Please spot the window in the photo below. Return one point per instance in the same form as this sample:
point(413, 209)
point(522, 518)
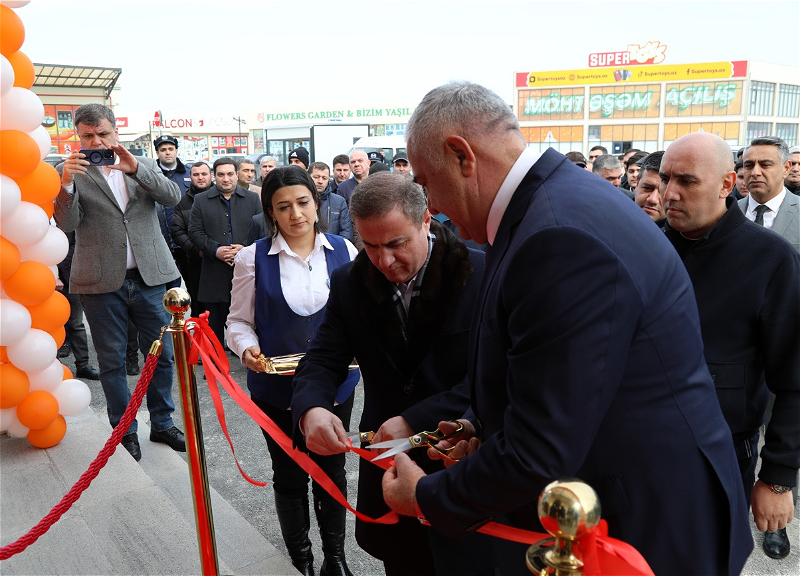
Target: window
point(761, 96)
point(787, 132)
point(758, 130)
point(789, 100)
point(594, 132)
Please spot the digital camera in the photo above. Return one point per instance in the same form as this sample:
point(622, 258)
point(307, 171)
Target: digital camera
point(99, 156)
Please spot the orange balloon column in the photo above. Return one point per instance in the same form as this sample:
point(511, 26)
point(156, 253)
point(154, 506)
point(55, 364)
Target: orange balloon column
point(28, 249)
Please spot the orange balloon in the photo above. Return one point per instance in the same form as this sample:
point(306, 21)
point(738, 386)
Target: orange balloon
point(24, 72)
point(67, 373)
point(51, 314)
point(49, 436)
point(59, 335)
point(14, 385)
point(3, 355)
point(40, 186)
point(12, 31)
point(19, 153)
point(31, 284)
point(37, 410)
point(9, 258)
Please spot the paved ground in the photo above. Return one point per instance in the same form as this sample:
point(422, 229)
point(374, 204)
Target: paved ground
point(257, 504)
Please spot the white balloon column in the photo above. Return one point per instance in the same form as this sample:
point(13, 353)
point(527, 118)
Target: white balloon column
point(36, 390)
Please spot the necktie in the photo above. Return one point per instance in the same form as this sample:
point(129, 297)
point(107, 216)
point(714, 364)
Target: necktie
point(760, 209)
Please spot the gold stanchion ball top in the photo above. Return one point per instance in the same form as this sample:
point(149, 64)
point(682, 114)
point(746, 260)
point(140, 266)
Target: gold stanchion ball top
point(177, 301)
point(569, 509)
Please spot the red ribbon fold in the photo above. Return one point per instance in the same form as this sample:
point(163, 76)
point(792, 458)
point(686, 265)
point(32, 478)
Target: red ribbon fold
point(602, 555)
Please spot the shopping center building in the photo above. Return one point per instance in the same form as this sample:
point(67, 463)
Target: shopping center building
point(632, 99)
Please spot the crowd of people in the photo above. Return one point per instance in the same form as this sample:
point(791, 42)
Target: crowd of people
point(640, 346)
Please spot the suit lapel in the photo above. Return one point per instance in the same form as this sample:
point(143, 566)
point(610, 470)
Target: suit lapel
point(786, 214)
point(94, 173)
point(516, 211)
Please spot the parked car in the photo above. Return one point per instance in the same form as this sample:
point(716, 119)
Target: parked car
point(55, 159)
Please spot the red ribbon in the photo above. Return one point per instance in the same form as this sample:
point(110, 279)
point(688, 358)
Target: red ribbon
point(601, 554)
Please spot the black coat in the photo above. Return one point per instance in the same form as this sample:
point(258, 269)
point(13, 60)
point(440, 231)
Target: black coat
point(208, 229)
point(422, 379)
point(746, 280)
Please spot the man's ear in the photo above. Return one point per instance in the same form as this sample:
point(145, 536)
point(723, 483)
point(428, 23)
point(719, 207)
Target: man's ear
point(460, 150)
point(728, 182)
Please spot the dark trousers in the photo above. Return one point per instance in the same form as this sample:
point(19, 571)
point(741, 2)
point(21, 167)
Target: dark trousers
point(190, 270)
point(217, 316)
point(747, 454)
point(288, 479)
point(76, 331)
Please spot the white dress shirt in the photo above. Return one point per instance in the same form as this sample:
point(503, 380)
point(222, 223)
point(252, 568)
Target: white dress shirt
point(116, 181)
point(305, 283)
point(769, 215)
point(518, 171)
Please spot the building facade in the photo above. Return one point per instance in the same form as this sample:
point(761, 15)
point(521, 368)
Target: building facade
point(621, 103)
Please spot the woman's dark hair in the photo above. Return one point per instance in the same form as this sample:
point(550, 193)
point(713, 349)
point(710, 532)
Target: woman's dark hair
point(281, 178)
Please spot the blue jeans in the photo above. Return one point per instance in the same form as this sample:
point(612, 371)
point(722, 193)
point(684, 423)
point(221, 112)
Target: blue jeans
point(108, 316)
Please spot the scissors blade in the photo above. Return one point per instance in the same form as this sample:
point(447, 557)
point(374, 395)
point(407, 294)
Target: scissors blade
point(390, 444)
point(395, 451)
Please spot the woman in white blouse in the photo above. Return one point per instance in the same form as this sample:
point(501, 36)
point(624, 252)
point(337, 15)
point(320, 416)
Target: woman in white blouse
point(280, 289)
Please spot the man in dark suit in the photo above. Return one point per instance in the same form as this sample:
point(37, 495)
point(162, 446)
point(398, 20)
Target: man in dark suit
point(402, 308)
point(121, 265)
point(218, 227)
point(585, 354)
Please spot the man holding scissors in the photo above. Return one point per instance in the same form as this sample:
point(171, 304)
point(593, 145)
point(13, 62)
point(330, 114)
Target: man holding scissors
point(402, 308)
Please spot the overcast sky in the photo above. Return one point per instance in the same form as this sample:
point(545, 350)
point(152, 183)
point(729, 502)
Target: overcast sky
point(236, 55)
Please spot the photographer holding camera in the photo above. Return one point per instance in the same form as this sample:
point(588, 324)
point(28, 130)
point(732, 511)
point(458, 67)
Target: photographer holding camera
point(121, 262)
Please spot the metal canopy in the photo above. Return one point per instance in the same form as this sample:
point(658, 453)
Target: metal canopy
point(77, 76)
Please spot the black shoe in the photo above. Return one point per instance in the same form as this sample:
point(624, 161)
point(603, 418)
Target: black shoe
point(131, 444)
point(88, 372)
point(132, 366)
point(172, 437)
point(64, 351)
point(776, 544)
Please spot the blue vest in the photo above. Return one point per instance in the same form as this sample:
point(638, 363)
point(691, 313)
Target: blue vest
point(280, 330)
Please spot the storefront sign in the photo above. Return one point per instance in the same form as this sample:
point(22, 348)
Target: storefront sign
point(332, 115)
point(669, 73)
point(603, 104)
point(635, 55)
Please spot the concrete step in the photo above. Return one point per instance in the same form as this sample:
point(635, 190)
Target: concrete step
point(135, 518)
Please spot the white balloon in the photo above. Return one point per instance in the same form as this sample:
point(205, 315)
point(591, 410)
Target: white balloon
point(10, 195)
point(6, 76)
point(42, 138)
point(22, 110)
point(7, 417)
point(14, 3)
point(73, 397)
point(48, 379)
point(54, 270)
point(15, 322)
point(50, 250)
point(16, 429)
point(35, 352)
point(27, 225)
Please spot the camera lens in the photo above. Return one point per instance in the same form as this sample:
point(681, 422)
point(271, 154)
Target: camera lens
point(95, 157)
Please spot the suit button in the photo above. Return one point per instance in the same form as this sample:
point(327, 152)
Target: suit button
point(308, 341)
point(408, 388)
point(125, 221)
point(308, 319)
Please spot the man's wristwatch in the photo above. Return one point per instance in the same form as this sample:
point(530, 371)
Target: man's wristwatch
point(778, 489)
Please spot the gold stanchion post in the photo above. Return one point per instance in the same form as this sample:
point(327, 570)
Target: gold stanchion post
point(176, 302)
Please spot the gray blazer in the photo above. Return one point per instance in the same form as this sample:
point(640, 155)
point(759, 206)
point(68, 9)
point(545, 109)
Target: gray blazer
point(208, 230)
point(787, 220)
point(100, 228)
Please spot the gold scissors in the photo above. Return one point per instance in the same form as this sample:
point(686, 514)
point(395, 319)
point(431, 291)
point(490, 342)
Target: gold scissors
point(429, 439)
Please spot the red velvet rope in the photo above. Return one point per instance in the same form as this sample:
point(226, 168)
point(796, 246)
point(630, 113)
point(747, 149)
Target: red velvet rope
point(602, 554)
point(94, 468)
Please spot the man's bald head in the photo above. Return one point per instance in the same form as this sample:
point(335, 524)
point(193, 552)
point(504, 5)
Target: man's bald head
point(696, 177)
